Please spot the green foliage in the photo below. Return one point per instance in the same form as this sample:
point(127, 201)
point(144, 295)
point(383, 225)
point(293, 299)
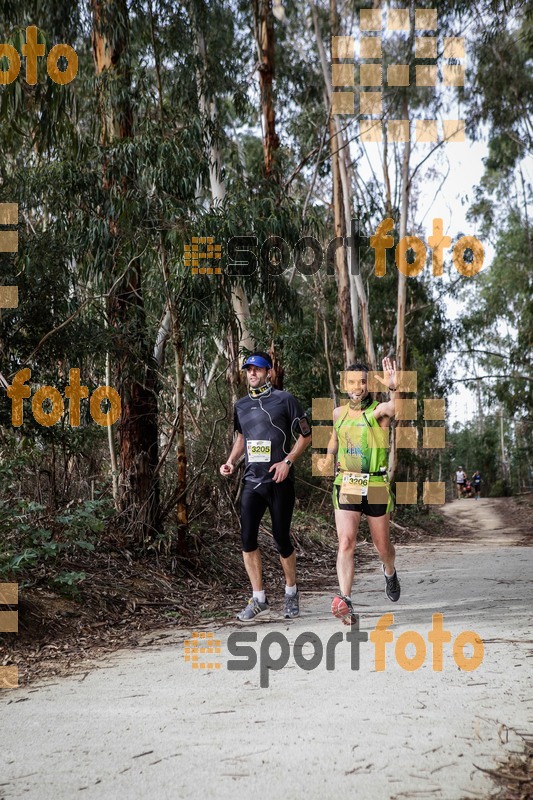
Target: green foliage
point(500, 314)
point(500, 90)
point(36, 543)
point(98, 215)
point(497, 327)
point(68, 583)
point(475, 446)
point(500, 489)
point(37, 539)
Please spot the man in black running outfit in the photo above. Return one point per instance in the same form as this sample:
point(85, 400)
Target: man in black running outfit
point(265, 422)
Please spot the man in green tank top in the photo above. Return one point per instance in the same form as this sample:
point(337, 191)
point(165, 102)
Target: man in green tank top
point(358, 448)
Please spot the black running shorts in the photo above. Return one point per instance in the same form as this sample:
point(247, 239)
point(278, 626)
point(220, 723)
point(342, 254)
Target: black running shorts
point(279, 499)
point(370, 509)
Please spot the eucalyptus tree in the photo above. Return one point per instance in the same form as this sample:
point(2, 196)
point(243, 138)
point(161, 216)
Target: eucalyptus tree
point(497, 323)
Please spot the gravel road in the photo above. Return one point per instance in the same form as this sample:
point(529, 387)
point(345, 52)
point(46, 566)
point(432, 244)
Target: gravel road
point(143, 723)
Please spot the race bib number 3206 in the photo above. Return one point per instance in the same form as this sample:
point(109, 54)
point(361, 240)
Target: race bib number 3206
point(355, 483)
point(258, 450)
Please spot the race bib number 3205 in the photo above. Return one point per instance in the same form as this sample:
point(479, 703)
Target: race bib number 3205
point(258, 450)
point(355, 483)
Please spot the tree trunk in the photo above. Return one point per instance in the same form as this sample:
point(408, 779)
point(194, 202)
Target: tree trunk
point(208, 113)
point(277, 373)
point(505, 465)
point(265, 42)
point(349, 227)
point(134, 371)
point(239, 337)
point(357, 288)
point(341, 213)
point(402, 279)
point(402, 286)
point(182, 509)
point(180, 543)
point(111, 443)
point(321, 312)
point(341, 266)
point(110, 42)
point(350, 287)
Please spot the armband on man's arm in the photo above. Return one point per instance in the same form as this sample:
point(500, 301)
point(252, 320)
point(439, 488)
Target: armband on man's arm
point(304, 427)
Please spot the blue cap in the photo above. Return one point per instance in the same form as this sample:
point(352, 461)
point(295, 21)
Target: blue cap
point(257, 361)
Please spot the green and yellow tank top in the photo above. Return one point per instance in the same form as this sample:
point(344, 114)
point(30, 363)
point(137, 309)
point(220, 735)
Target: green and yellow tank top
point(363, 444)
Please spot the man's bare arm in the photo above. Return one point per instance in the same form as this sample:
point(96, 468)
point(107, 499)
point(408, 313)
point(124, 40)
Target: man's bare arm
point(281, 468)
point(326, 462)
point(236, 452)
point(300, 446)
point(389, 380)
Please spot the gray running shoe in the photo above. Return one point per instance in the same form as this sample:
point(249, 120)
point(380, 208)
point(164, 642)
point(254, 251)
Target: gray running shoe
point(291, 606)
point(253, 610)
point(392, 588)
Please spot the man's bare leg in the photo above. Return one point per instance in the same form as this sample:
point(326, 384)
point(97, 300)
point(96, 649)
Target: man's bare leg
point(379, 530)
point(291, 607)
point(347, 523)
point(258, 605)
point(254, 568)
point(289, 568)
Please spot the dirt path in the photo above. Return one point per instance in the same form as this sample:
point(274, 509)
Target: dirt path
point(484, 519)
point(143, 723)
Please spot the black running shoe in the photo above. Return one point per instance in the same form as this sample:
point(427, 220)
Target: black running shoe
point(392, 588)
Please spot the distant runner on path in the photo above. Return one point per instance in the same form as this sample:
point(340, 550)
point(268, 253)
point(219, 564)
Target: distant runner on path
point(264, 421)
point(476, 483)
point(360, 442)
point(460, 479)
